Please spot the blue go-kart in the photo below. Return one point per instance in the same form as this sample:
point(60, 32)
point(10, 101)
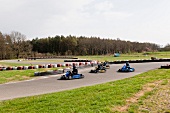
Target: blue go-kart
point(126, 69)
point(69, 76)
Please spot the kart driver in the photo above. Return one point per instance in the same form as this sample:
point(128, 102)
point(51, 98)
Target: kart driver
point(75, 71)
point(99, 66)
point(127, 65)
point(104, 64)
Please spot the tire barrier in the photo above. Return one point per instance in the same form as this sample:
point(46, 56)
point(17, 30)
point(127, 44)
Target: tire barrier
point(139, 61)
point(55, 65)
point(49, 66)
point(30, 67)
point(77, 60)
point(14, 68)
point(58, 65)
point(4, 68)
point(78, 64)
point(19, 68)
point(25, 67)
point(84, 63)
point(40, 66)
point(36, 67)
point(9, 68)
point(63, 65)
point(67, 65)
point(165, 66)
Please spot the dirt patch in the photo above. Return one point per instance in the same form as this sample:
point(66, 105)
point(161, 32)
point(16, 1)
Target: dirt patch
point(147, 88)
point(10, 78)
point(25, 77)
point(3, 65)
point(159, 102)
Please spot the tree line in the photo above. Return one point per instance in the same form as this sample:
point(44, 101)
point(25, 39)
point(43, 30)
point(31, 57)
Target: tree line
point(15, 45)
point(72, 45)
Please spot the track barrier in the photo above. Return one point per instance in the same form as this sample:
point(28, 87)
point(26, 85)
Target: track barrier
point(81, 63)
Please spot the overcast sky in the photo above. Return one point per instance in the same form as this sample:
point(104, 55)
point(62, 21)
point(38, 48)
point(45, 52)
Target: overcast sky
point(133, 20)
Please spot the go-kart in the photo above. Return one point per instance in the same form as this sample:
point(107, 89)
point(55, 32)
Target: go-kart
point(98, 70)
point(126, 69)
point(107, 66)
point(70, 75)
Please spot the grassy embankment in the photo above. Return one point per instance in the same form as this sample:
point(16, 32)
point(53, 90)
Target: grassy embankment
point(148, 93)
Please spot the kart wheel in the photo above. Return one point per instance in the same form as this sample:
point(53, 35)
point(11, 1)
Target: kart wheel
point(69, 77)
point(63, 77)
point(82, 76)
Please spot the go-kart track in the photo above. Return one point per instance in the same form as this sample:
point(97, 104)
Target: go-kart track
point(50, 83)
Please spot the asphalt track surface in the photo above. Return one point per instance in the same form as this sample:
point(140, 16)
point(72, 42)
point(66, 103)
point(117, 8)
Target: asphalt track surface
point(49, 84)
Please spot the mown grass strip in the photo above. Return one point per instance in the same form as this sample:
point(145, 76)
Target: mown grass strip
point(15, 75)
point(6, 64)
point(19, 75)
point(92, 99)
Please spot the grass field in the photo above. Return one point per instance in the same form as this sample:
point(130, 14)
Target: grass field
point(133, 56)
point(6, 64)
point(144, 93)
point(19, 75)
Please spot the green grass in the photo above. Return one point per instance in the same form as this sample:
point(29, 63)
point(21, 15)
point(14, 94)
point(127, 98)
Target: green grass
point(103, 98)
point(133, 56)
point(40, 60)
point(6, 64)
point(29, 62)
point(19, 75)
point(15, 75)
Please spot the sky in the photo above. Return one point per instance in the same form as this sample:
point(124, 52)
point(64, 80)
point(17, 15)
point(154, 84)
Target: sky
point(130, 20)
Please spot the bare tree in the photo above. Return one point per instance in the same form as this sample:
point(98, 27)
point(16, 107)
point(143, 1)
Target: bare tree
point(2, 46)
point(17, 40)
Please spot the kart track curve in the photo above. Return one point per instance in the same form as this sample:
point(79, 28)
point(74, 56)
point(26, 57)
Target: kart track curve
point(50, 83)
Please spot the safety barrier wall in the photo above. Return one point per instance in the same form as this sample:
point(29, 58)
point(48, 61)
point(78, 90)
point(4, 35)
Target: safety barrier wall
point(139, 61)
point(166, 66)
point(79, 63)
